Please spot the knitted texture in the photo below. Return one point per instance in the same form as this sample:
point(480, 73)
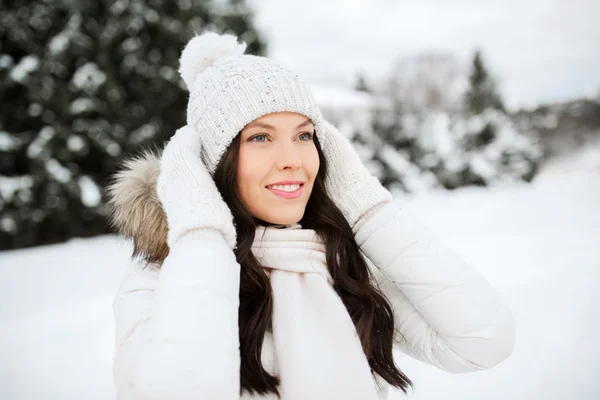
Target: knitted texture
point(348, 182)
point(187, 192)
point(228, 90)
point(319, 352)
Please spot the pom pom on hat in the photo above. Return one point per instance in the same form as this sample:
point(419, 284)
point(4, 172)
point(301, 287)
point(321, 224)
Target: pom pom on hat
point(228, 89)
point(203, 51)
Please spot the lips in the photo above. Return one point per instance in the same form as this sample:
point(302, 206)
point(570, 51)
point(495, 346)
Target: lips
point(286, 194)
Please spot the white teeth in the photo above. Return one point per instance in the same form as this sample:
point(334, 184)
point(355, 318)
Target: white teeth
point(285, 188)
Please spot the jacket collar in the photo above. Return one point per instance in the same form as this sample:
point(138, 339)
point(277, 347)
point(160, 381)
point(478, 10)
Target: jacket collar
point(135, 210)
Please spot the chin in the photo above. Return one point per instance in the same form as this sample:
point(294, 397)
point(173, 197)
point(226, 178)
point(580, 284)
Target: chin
point(288, 219)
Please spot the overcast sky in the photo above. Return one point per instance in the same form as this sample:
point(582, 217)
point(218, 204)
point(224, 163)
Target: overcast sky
point(539, 50)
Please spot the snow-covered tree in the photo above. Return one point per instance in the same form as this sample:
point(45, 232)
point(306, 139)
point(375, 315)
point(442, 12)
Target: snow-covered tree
point(439, 149)
point(485, 149)
point(482, 93)
point(83, 84)
point(427, 139)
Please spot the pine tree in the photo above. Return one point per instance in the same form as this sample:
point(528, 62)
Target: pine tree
point(431, 147)
point(85, 84)
point(482, 92)
point(361, 84)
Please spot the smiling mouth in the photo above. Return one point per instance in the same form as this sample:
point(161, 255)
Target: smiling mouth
point(286, 191)
point(286, 188)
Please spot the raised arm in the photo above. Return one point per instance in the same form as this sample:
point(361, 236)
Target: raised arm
point(446, 313)
point(177, 325)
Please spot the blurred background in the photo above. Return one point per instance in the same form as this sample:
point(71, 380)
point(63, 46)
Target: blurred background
point(482, 117)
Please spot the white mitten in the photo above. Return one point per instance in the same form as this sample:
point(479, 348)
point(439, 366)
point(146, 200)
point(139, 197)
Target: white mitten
point(187, 192)
point(348, 181)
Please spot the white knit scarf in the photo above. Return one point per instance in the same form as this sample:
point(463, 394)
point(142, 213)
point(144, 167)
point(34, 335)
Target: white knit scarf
point(317, 347)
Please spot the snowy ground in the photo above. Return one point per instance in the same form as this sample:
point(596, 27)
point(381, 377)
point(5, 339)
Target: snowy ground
point(538, 244)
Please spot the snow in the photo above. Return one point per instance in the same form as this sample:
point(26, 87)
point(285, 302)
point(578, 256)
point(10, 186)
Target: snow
point(131, 44)
point(587, 158)
point(5, 61)
point(7, 141)
point(8, 224)
point(81, 105)
point(27, 65)
point(89, 76)
point(144, 132)
point(75, 143)
point(37, 146)
point(434, 135)
point(90, 192)
point(58, 43)
point(536, 243)
point(9, 185)
point(34, 110)
point(58, 171)
point(113, 148)
point(414, 179)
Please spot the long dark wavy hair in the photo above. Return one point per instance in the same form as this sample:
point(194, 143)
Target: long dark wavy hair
point(367, 306)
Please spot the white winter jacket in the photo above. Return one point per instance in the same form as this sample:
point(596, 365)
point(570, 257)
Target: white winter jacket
point(175, 340)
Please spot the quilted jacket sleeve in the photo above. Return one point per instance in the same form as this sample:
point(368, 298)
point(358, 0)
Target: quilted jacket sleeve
point(177, 327)
point(446, 314)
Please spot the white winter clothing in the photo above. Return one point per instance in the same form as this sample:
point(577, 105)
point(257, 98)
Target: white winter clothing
point(177, 331)
point(228, 89)
point(318, 350)
point(177, 328)
point(187, 192)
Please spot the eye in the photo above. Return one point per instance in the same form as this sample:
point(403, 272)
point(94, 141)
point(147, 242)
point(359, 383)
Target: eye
point(259, 138)
point(306, 135)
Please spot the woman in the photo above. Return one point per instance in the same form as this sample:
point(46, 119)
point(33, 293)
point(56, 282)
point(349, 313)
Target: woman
point(270, 264)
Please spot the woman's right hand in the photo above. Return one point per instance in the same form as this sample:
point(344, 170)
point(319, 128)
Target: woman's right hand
point(187, 192)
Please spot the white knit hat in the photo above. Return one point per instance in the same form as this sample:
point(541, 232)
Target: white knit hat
point(229, 89)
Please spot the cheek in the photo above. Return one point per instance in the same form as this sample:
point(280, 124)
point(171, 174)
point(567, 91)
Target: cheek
point(311, 163)
point(250, 172)
point(244, 172)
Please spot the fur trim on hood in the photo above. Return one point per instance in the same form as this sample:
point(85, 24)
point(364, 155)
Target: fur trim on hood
point(136, 211)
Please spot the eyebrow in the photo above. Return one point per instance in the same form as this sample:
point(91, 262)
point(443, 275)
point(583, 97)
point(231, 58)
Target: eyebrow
point(257, 124)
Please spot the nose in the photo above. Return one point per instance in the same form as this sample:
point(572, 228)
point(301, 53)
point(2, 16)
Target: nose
point(288, 157)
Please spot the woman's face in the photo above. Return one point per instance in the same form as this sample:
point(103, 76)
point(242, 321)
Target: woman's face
point(277, 166)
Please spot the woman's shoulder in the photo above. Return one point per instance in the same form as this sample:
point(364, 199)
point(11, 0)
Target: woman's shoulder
point(138, 276)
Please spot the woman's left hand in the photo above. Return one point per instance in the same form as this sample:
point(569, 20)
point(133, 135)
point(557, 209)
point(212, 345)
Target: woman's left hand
point(348, 182)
